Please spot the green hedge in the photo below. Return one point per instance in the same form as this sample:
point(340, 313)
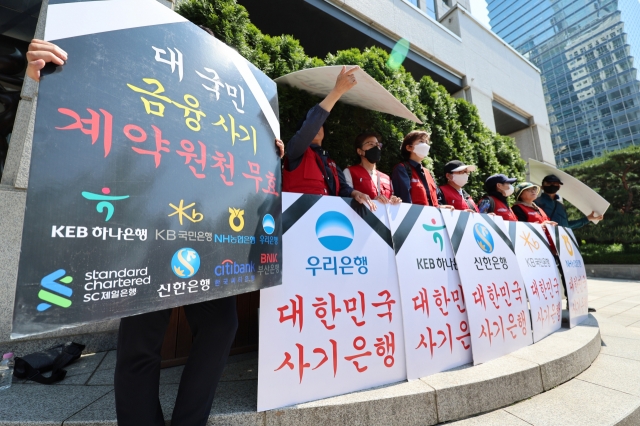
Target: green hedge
point(457, 131)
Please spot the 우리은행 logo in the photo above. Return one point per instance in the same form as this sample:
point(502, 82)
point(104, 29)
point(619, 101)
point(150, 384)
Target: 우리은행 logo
point(334, 231)
point(483, 238)
point(185, 263)
point(104, 199)
point(268, 224)
point(52, 292)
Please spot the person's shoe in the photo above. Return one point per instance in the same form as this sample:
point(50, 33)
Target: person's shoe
point(591, 309)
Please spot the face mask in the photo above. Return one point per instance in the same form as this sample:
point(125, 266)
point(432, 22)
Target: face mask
point(550, 189)
point(373, 154)
point(421, 150)
point(460, 180)
point(509, 191)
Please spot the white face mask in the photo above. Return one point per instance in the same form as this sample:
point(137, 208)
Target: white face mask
point(421, 150)
point(460, 180)
point(508, 191)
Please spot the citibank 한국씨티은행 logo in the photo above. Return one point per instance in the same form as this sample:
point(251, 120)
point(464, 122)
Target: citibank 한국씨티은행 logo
point(483, 238)
point(52, 292)
point(334, 231)
point(185, 263)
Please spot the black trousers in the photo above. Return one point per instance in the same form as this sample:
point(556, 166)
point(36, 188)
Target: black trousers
point(137, 375)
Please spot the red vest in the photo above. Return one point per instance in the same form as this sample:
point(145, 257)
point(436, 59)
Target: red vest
point(455, 199)
point(533, 215)
point(417, 189)
point(501, 209)
point(363, 182)
point(308, 177)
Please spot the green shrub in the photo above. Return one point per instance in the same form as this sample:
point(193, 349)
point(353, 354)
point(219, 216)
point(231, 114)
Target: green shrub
point(456, 128)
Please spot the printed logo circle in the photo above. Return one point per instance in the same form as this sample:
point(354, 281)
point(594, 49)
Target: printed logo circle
point(268, 224)
point(483, 238)
point(334, 231)
point(185, 263)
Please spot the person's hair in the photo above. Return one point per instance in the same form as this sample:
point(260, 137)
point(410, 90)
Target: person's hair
point(410, 139)
point(359, 141)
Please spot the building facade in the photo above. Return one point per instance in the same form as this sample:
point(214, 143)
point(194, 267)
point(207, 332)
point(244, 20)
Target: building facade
point(585, 50)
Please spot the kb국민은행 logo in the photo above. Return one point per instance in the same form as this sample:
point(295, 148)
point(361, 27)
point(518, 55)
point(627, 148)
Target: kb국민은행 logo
point(52, 292)
point(334, 231)
point(185, 263)
point(268, 224)
point(483, 238)
point(236, 214)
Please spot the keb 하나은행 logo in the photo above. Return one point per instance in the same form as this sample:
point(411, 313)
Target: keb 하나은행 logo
point(334, 231)
point(52, 292)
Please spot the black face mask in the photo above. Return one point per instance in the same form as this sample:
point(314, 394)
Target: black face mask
point(551, 189)
point(373, 154)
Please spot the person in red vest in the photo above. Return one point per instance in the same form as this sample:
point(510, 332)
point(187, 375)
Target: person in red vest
point(411, 181)
point(498, 188)
point(308, 169)
point(364, 177)
point(525, 209)
point(457, 174)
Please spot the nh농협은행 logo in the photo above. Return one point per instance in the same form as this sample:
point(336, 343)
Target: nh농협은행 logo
point(334, 231)
point(52, 292)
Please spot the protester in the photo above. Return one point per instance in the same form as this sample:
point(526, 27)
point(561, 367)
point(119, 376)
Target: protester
point(525, 208)
point(137, 374)
point(498, 188)
point(308, 169)
point(552, 205)
point(411, 181)
point(457, 175)
point(365, 177)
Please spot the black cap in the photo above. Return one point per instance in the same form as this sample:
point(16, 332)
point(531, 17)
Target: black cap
point(552, 178)
point(493, 180)
point(458, 166)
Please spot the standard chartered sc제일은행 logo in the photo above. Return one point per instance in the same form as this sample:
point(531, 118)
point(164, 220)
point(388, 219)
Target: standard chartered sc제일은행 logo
point(52, 292)
point(334, 231)
point(185, 263)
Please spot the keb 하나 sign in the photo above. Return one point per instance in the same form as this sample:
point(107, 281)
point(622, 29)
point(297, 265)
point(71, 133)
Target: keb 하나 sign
point(436, 328)
point(494, 291)
point(335, 325)
point(154, 180)
point(541, 277)
point(575, 275)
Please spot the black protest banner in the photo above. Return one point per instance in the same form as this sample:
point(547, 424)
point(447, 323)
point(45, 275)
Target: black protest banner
point(154, 180)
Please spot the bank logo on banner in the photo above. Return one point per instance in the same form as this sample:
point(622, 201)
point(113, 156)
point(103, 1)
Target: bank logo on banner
point(268, 224)
point(185, 263)
point(436, 327)
point(54, 293)
point(575, 274)
point(493, 286)
point(542, 280)
point(334, 231)
point(335, 324)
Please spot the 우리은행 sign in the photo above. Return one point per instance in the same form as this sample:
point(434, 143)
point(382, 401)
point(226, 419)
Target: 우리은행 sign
point(335, 325)
point(154, 181)
point(493, 288)
point(436, 327)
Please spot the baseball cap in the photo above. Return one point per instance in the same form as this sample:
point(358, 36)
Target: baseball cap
point(552, 178)
point(522, 187)
point(458, 166)
point(493, 180)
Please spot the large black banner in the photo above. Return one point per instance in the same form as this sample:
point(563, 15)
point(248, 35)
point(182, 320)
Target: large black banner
point(154, 179)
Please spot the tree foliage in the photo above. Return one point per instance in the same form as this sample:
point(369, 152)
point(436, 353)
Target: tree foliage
point(457, 131)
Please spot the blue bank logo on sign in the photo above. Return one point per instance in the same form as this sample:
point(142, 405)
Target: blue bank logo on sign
point(334, 231)
point(185, 263)
point(54, 293)
point(268, 224)
point(483, 238)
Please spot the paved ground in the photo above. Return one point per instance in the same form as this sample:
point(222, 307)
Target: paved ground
point(607, 392)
